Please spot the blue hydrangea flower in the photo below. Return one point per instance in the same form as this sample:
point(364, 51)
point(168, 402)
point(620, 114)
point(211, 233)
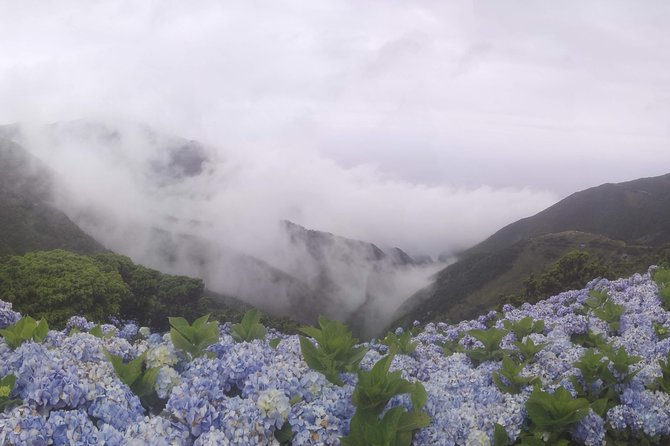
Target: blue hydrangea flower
point(24, 426)
point(71, 427)
point(128, 331)
point(157, 431)
point(7, 315)
point(80, 323)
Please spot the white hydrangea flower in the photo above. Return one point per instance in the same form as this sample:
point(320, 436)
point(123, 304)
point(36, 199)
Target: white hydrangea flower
point(478, 438)
point(275, 405)
point(164, 354)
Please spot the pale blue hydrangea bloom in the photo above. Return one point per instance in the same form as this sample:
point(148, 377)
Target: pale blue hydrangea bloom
point(144, 332)
point(644, 411)
point(166, 379)
point(67, 427)
point(157, 431)
point(23, 426)
point(590, 430)
point(7, 315)
point(128, 331)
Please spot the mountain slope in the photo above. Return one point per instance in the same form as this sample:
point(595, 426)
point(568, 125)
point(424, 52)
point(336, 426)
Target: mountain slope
point(635, 211)
point(163, 217)
point(356, 281)
point(28, 222)
point(623, 227)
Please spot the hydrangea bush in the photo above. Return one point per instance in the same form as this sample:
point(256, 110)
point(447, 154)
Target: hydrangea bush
point(595, 369)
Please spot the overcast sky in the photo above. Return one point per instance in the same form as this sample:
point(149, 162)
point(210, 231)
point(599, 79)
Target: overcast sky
point(465, 111)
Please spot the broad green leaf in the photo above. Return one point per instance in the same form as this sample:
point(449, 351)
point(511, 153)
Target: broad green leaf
point(41, 331)
point(200, 322)
point(144, 386)
point(500, 436)
point(96, 331)
point(600, 406)
point(180, 342)
point(555, 412)
point(285, 434)
point(411, 421)
point(419, 396)
point(179, 323)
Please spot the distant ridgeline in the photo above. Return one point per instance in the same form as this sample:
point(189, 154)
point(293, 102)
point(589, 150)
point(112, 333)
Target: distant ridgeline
point(612, 230)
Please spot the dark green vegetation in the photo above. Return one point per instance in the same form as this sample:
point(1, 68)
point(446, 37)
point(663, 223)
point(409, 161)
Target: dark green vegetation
point(613, 230)
point(58, 284)
point(28, 220)
point(153, 296)
point(55, 285)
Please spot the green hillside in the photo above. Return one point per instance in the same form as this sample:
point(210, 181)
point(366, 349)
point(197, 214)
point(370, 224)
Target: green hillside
point(620, 229)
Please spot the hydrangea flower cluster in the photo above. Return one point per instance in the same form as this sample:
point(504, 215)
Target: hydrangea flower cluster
point(245, 393)
point(7, 315)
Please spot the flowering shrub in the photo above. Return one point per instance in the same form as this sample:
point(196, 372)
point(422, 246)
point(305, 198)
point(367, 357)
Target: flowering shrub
point(584, 377)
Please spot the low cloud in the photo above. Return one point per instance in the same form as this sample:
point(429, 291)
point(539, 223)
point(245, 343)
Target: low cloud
point(240, 196)
point(216, 213)
point(425, 125)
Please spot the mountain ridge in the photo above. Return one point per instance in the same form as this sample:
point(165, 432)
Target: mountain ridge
point(621, 225)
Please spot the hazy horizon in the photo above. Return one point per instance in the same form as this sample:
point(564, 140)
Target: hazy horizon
point(425, 126)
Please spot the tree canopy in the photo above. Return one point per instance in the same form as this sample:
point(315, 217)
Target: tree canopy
point(58, 284)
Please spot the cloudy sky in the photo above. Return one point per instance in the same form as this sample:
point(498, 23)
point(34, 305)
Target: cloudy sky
point(423, 124)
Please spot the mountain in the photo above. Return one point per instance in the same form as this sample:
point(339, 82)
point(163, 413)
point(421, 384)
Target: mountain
point(356, 281)
point(622, 227)
point(153, 197)
point(636, 212)
point(28, 220)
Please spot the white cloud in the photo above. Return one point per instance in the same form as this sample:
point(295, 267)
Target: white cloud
point(424, 124)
